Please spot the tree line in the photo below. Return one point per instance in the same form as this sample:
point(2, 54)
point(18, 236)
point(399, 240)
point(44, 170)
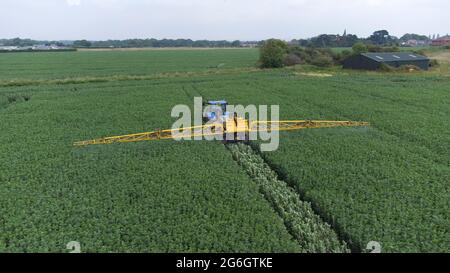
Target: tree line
point(131, 43)
point(380, 37)
point(276, 53)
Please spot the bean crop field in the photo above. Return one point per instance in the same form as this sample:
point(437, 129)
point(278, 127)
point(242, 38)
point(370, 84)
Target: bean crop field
point(323, 190)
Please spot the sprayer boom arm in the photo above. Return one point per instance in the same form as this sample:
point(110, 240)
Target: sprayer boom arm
point(219, 129)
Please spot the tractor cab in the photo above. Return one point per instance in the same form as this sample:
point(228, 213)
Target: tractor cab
point(216, 111)
point(234, 128)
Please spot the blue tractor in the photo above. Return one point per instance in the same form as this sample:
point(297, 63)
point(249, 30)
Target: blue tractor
point(234, 129)
point(217, 111)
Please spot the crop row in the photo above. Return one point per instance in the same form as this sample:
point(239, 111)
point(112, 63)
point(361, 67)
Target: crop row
point(43, 66)
point(311, 233)
point(160, 196)
point(386, 183)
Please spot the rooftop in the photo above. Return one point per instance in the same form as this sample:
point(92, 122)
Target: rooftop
point(443, 38)
point(395, 56)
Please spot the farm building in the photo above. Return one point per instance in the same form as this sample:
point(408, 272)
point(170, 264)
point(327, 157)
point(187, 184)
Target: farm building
point(373, 61)
point(443, 41)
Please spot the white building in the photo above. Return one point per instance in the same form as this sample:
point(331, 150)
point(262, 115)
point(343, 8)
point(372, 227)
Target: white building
point(9, 48)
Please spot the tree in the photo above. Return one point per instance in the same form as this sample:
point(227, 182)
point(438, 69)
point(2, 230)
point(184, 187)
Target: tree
point(359, 48)
point(382, 37)
point(272, 53)
point(236, 43)
point(379, 37)
point(412, 36)
point(82, 43)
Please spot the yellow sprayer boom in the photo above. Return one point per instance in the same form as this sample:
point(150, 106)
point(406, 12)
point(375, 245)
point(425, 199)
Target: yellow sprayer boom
point(231, 126)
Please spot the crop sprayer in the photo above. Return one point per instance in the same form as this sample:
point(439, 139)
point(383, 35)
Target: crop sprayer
point(226, 124)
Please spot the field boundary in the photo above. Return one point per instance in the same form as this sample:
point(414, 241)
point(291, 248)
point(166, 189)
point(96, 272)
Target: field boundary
point(120, 78)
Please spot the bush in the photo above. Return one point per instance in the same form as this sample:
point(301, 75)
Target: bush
point(359, 48)
point(434, 63)
point(298, 55)
point(386, 68)
point(345, 54)
point(299, 52)
point(292, 59)
point(322, 61)
point(272, 53)
point(420, 52)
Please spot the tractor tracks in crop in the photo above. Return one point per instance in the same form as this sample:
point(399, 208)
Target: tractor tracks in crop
point(124, 77)
point(191, 92)
point(309, 230)
point(7, 100)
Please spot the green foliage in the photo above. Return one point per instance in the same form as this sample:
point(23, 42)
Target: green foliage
point(164, 196)
point(82, 43)
point(359, 48)
point(382, 38)
point(386, 183)
point(322, 61)
point(387, 68)
point(272, 53)
point(343, 55)
point(434, 63)
point(327, 40)
point(316, 56)
point(43, 66)
point(412, 36)
point(292, 59)
point(311, 233)
point(422, 52)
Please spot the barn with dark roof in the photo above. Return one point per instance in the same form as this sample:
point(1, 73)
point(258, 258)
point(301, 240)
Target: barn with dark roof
point(373, 61)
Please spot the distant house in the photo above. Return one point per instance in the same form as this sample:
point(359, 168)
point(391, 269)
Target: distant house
point(41, 47)
point(415, 43)
point(9, 48)
point(373, 61)
point(443, 41)
point(249, 44)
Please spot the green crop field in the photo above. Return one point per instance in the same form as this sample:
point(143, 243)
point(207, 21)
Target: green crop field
point(323, 190)
point(107, 63)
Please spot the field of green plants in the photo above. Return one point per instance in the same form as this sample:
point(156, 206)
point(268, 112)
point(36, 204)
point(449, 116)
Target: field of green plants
point(322, 191)
point(57, 65)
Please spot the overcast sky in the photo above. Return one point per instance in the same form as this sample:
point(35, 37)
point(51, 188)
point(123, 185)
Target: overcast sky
point(217, 19)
